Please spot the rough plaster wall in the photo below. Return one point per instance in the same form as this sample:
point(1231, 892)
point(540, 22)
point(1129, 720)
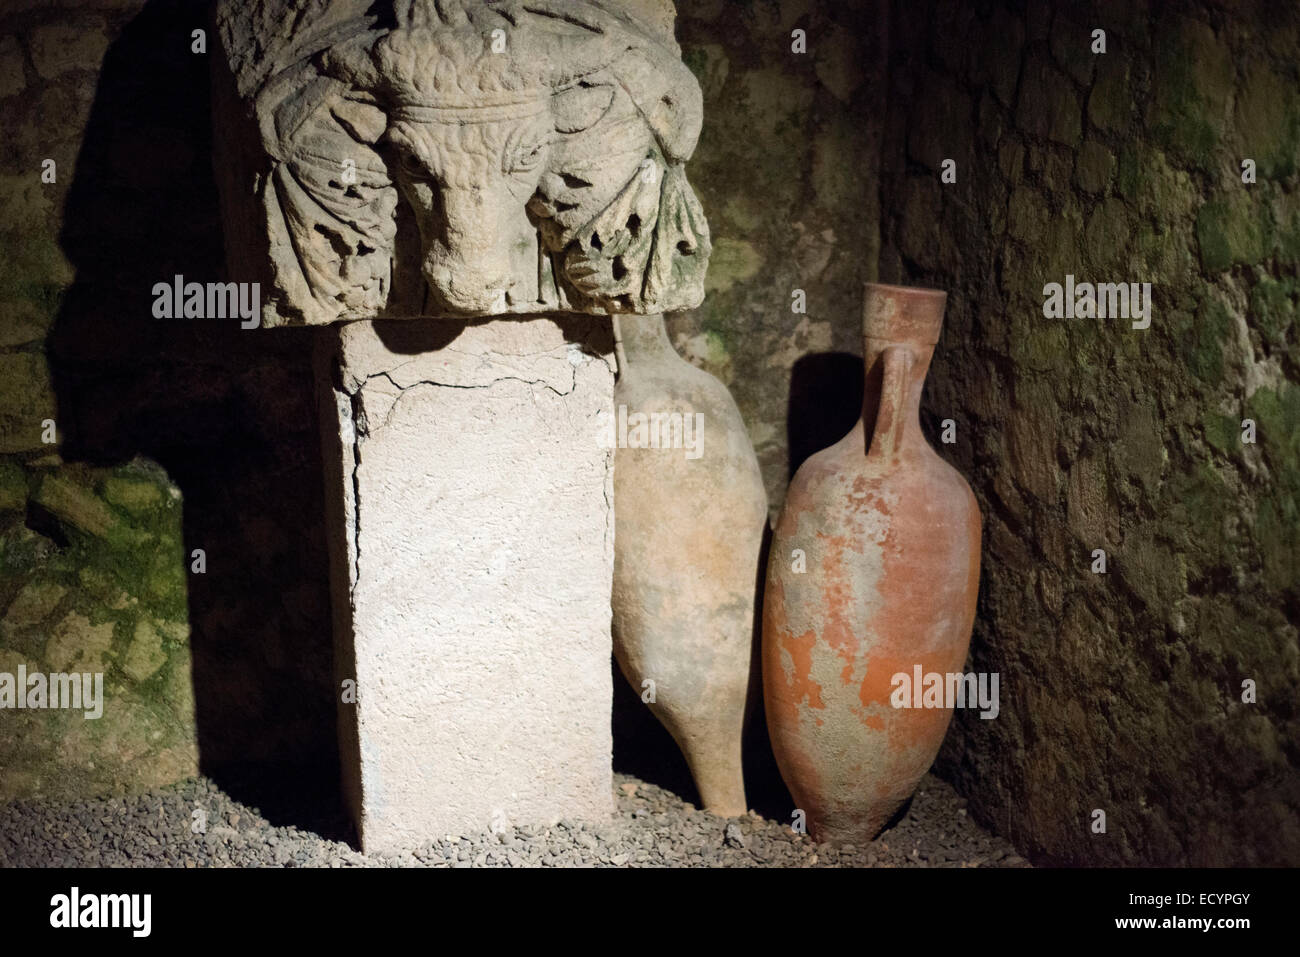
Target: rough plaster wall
point(786, 172)
point(1121, 691)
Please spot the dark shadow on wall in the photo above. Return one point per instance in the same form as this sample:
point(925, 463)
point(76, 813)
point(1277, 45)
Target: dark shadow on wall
point(825, 402)
point(643, 747)
point(229, 413)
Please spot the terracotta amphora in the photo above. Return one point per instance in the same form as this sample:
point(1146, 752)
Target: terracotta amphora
point(689, 521)
point(873, 572)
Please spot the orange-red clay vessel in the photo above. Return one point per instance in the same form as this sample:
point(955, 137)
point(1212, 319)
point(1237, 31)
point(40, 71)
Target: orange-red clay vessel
point(874, 569)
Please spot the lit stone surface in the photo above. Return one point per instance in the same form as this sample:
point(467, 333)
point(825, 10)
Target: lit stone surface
point(473, 560)
point(461, 158)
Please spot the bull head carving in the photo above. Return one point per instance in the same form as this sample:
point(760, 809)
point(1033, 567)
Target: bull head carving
point(471, 157)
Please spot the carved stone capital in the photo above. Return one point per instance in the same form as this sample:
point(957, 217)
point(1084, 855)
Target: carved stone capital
point(457, 158)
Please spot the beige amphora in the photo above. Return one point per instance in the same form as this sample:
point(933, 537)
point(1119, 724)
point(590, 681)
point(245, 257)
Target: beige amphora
point(690, 510)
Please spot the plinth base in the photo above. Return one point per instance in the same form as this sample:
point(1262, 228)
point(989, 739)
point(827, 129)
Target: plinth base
point(471, 515)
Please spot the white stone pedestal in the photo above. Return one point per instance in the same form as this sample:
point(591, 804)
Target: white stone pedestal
point(472, 536)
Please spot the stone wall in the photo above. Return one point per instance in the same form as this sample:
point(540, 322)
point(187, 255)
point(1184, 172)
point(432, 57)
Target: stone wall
point(171, 437)
point(787, 172)
point(1120, 691)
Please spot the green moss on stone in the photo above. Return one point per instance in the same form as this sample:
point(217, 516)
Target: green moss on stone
point(26, 401)
point(1273, 309)
point(709, 63)
point(13, 486)
point(743, 214)
point(1277, 527)
point(144, 655)
point(1194, 77)
point(1041, 348)
point(1223, 432)
point(1277, 521)
point(102, 585)
point(78, 509)
point(1268, 121)
point(1128, 176)
point(33, 270)
point(1276, 412)
point(1192, 502)
point(33, 604)
point(1288, 239)
point(1200, 340)
point(138, 497)
point(733, 261)
point(838, 184)
point(1233, 230)
point(21, 550)
point(716, 353)
point(166, 583)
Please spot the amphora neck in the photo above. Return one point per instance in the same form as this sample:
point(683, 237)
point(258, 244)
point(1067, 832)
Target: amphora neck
point(900, 327)
point(641, 339)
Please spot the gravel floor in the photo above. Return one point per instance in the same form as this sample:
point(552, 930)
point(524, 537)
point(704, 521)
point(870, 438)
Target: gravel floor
point(653, 828)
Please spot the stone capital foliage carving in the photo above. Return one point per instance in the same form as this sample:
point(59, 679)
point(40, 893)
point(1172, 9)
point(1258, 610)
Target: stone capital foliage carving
point(458, 157)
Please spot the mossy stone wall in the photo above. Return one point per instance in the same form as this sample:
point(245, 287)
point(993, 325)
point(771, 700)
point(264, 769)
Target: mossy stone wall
point(1121, 692)
point(168, 438)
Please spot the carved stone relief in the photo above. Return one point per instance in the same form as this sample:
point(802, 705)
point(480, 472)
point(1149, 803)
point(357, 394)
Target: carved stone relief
point(458, 157)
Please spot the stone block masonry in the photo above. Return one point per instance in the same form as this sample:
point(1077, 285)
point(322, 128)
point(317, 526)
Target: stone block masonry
point(471, 564)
